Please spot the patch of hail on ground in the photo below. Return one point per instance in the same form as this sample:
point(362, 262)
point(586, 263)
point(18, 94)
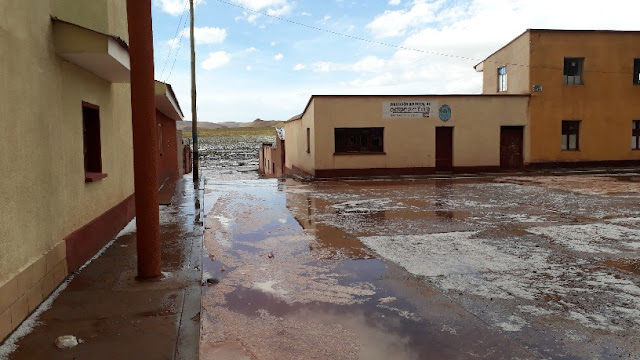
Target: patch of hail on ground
point(491, 217)
point(594, 321)
point(592, 238)
point(512, 323)
point(403, 313)
point(129, 229)
point(535, 310)
point(449, 329)
point(460, 263)
point(366, 206)
point(465, 204)
point(623, 220)
point(452, 253)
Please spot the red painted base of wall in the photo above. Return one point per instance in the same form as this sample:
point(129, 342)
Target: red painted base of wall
point(583, 164)
point(85, 242)
point(297, 171)
point(331, 173)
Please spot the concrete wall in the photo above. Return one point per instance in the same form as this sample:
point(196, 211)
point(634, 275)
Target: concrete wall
point(297, 158)
point(606, 104)
point(515, 56)
point(105, 16)
point(46, 197)
point(168, 156)
point(270, 159)
point(409, 142)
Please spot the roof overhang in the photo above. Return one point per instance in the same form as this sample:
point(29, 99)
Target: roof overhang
point(103, 55)
point(166, 101)
point(479, 67)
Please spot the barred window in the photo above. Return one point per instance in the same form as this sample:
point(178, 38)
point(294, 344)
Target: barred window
point(570, 135)
point(359, 140)
point(572, 73)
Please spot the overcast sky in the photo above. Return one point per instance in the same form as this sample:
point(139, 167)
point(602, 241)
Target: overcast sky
point(265, 58)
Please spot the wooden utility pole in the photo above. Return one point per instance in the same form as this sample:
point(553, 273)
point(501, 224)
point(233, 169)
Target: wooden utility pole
point(145, 141)
point(194, 110)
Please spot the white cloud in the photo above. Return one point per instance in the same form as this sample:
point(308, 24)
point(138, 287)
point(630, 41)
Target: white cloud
point(249, 68)
point(173, 43)
point(204, 35)
point(397, 22)
point(273, 43)
point(368, 64)
point(304, 13)
point(271, 7)
point(216, 59)
point(250, 50)
point(175, 7)
point(394, 2)
point(284, 10)
point(278, 57)
point(207, 35)
point(299, 67)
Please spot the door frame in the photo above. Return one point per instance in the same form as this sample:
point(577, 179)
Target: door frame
point(449, 166)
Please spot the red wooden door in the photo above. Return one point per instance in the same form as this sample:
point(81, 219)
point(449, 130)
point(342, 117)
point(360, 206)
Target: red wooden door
point(511, 147)
point(444, 148)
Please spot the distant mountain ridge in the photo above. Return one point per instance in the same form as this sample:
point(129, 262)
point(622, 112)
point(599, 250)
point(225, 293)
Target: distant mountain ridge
point(257, 123)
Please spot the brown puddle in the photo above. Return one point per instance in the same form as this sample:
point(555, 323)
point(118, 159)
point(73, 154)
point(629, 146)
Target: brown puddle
point(630, 265)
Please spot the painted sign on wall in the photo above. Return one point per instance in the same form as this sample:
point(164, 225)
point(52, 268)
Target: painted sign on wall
point(423, 109)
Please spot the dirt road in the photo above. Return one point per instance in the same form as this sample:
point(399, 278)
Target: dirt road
point(531, 267)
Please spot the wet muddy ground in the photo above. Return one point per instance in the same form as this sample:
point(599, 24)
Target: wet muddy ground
point(513, 267)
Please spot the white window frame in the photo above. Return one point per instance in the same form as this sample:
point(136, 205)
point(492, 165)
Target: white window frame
point(502, 78)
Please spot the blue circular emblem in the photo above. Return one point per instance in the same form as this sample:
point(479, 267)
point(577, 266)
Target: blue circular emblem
point(445, 112)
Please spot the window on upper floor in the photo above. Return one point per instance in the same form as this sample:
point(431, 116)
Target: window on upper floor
point(502, 78)
point(570, 135)
point(91, 143)
point(359, 140)
point(572, 73)
point(636, 71)
point(635, 135)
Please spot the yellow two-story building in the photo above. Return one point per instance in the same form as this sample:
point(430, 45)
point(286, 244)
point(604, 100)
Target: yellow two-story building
point(585, 93)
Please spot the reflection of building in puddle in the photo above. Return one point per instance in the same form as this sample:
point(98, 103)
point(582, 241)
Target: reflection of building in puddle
point(442, 192)
point(445, 214)
point(331, 242)
point(335, 243)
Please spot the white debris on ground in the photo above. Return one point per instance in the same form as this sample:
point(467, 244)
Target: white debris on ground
point(66, 342)
point(366, 206)
point(592, 238)
point(585, 184)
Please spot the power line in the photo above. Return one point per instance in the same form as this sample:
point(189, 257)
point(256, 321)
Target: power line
point(174, 36)
point(346, 35)
point(430, 52)
point(177, 49)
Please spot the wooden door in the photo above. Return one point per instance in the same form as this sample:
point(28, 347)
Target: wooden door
point(444, 148)
point(511, 147)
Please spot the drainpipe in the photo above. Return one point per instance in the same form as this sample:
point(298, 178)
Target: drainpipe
point(145, 143)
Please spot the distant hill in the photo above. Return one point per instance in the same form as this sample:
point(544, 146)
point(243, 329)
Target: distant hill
point(257, 123)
